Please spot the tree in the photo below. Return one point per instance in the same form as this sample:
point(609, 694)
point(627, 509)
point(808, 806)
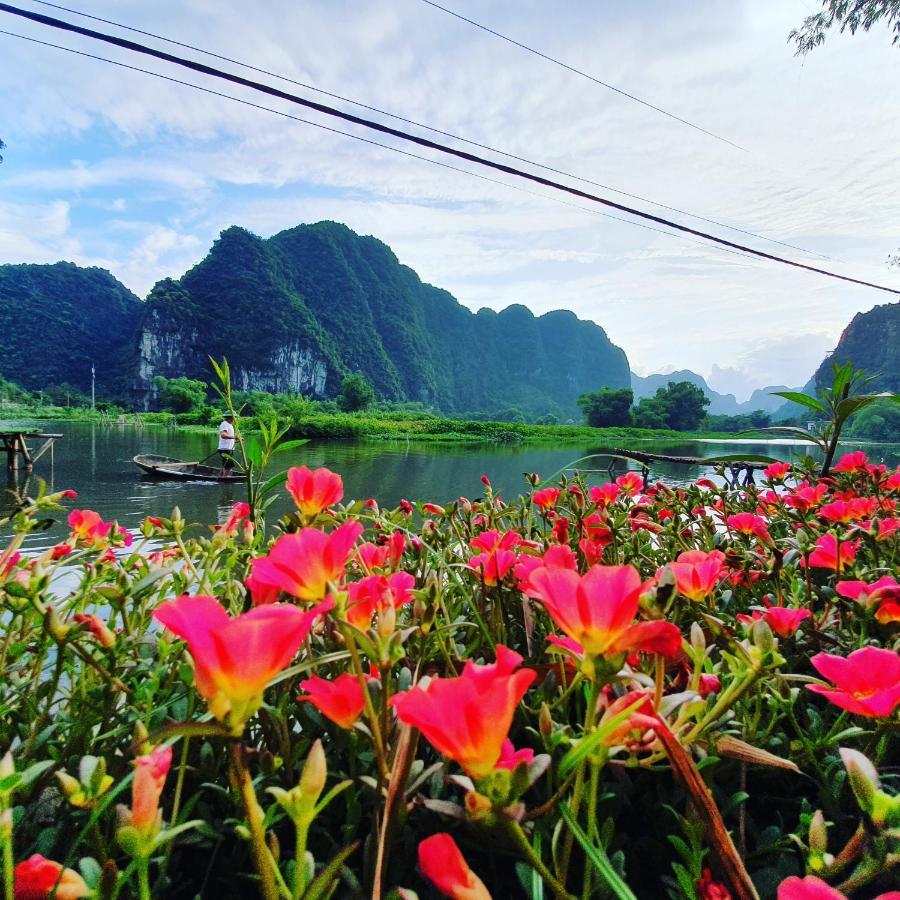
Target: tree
point(685, 404)
point(607, 407)
point(356, 393)
point(849, 15)
point(650, 413)
point(180, 395)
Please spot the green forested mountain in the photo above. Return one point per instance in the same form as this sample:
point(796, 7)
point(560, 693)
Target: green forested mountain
point(299, 310)
point(872, 342)
point(56, 320)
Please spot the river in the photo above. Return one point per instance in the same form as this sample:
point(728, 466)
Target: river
point(96, 461)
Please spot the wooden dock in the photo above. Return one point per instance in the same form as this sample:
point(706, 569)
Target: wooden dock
point(15, 444)
point(735, 467)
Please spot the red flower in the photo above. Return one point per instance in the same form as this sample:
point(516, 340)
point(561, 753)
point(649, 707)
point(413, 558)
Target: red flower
point(239, 512)
point(848, 510)
point(829, 554)
point(6, 566)
point(561, 530)
point(633, 731)
point(444, 866)
point(468, 718)
point(341, 700)
point(303, 564)
point(887, 529)
point(407, 507)
point(707, 889)
point(604, 494)
point(150, 773)
point(630, 483)
point(851, 462)
point(314, 491)
point(39, 878)
point(697, 573)
point(235, 658)
point(375, 594)
point(598, 610)
point(546, 497)
point(867, 682)
point(777, 471)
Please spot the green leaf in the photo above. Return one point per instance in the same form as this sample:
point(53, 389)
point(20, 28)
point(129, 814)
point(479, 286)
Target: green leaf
point(586, 745)
point(291, 445)
point(597, 858)
point(322, 884)
point(802, 399)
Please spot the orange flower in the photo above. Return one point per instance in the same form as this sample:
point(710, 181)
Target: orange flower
point(235, 658)
point(314, 491)
point(445, 867)
point(697, 573)
point(149, 778)
point(303, 564)
point(598, 610)
point(39, 878)
point(467, 718)
point(340, 700)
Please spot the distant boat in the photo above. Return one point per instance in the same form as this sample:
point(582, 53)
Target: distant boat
point(167, 467)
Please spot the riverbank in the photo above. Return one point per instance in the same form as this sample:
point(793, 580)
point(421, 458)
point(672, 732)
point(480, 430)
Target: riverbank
point(375, 426)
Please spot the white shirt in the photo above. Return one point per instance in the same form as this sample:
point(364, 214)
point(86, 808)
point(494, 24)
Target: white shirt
point(226, 436)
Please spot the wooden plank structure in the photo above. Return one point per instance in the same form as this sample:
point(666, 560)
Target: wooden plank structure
point(735, 467)
point(14, 443)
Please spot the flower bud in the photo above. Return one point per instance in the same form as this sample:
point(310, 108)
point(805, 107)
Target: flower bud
point(863, 777)
point(698, 638)
point(315, 771)
point(818, 833)
point(545, 721)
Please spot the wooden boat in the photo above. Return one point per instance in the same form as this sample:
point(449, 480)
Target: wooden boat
point(168, 467)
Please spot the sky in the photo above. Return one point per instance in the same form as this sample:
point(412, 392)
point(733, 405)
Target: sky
point(119, 169)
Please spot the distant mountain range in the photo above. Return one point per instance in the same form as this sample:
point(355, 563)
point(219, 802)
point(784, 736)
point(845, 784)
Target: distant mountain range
point(720, 404)
point(300, 310)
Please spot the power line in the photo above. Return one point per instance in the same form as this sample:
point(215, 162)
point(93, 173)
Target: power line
point(425, 142)
point(357, 137)
point(559, 62)
point(430, 128)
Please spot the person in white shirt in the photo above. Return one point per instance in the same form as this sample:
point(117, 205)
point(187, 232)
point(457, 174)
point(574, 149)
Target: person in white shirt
point(226, 443)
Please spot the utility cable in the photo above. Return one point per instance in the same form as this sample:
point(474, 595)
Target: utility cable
point(559, 62)
point(373, 143)
point(424, 142)
point(431, 128)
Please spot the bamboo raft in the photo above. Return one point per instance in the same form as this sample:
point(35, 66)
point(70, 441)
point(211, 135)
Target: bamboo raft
point(736, 467)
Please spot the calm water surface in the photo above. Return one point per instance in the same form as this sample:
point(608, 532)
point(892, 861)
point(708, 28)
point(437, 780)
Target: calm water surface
point(96, 461)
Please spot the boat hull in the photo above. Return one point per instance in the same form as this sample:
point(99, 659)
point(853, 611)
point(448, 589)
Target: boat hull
point(178, 470)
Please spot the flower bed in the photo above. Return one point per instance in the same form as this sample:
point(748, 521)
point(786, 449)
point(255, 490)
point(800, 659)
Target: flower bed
point(612, 690)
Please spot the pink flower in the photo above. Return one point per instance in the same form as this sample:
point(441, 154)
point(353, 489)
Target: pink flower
point(303, 564)
point(239, 512)
point(468, 718)
point(630, 483)
point(805, 496)
point(884, 593)
point(851, 462)
point(697, 573)
point(235, 658)
point(510, 757)
point(777, 471)
point(98, 628)
point(809, 888)
point(750, 524)
point(783, 620)
point(598, 610)
point(342, 700)
point(497, 557)
point(867, 682)
point(375, 594)
point(444, 866)
point(314, 491)
point(830, 554)
point(604, 495)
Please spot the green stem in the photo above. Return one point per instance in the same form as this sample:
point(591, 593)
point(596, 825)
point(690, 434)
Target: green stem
point(302, 827)
point(514, 830)
point(8, 867)
point(578, 790)
point(144, 878)
point(254, 814)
